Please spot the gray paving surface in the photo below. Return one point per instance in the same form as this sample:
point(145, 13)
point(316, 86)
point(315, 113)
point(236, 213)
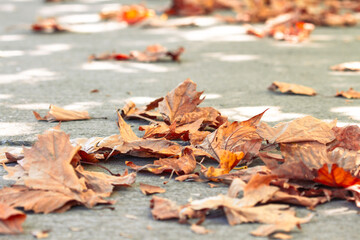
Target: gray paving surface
point(232, 68)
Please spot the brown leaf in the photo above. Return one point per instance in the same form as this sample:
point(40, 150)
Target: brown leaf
point(11, 154)
point(48, 25)
point(47, 182)
point(185, 164)
point(299, 130)
point(60, 114)
point(183, 99)
point(350, 94)
point(199, 229)
point(172, 131)
point(235, 137)
point(292, 88)
point(156, 52)
point(163, 209)
point(11, 220)
point(346, 137)
point(103, 184)
point(348, 66)
point(147, 189)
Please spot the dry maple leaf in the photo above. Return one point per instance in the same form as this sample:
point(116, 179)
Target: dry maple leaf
point(60, 114)
point(147, 189)
point(47, 182)
point(292, 88)
point(183, 99)
point(299, 130)
point(350, 94)
point(236, 137)
point(185, 164)
point(348, 66)
point(11, 220)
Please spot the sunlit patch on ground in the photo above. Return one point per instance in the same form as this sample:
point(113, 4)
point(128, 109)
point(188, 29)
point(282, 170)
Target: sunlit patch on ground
point(7, 7)
point(28, 76)
point(10, 38)
point(5, 96)
point(148, 67)
point(272, 115)
point(344, 73)
point(53, 10)
point(297, 44)
point(82, 105)
point(98, 66)
point(219, 34)
point(14, 129)
point(11, 53)
point(97, 27)
point(47, 49)
point(211, 96)
point(31, 106)
point(79, 18)
point(137, 100)
point(231, 57)
point(352, 112)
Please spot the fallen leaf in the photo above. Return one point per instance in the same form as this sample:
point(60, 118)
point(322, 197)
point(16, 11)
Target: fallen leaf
point(350, 94)
point(335, 176)
point(11, 220)
point(147, 189)
point(11, 154)
point(48, 25)
point(131, 14)
point(228, 160)
point(185, 164)
point(163, 208)
point(183, 99)
point(299, 130)
point(348, 66)
point(47, 182)
point(235, 137)
point(199, 229)
point(292, 88)
point(346, 137)
point(152, 53)
point(60, 114)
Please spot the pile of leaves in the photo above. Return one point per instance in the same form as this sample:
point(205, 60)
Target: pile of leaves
point(306, 162)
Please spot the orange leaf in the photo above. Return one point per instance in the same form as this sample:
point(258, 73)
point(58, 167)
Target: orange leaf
point(228, 160)
point(10, 220)
point(335, 177)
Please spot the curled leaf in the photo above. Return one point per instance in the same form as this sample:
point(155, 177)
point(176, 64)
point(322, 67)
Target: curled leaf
point(60, 114)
